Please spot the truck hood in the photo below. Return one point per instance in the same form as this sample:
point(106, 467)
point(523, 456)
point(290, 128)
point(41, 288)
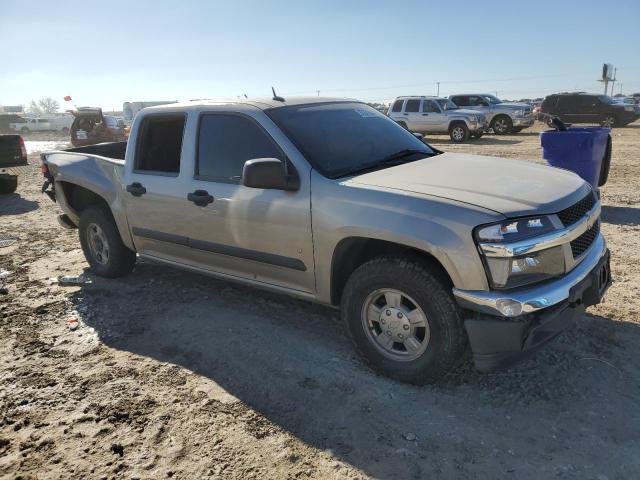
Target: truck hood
point(512, 106)
point(510, 187)
point(464, 111)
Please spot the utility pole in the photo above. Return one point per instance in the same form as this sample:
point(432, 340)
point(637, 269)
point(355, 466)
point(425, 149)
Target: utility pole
point(318, 92)
point(438, 94)
point(613, 81)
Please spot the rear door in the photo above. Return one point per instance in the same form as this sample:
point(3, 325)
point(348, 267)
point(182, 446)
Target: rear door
point(412, 115)
point(155, 199)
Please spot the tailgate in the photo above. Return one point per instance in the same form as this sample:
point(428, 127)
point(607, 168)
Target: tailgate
point(12, 151)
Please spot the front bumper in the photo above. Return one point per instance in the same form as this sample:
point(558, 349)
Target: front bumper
point(498, 341)
point(523, 122)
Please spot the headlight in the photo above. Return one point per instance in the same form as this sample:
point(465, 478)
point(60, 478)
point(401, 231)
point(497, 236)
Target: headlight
point(519, 113)
point(509, 272)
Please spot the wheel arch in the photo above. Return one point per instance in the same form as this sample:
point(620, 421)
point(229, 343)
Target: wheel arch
point(352, 252)
point(76, 198)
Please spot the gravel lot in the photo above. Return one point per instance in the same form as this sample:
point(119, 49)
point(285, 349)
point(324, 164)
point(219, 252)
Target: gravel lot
point(174, 375)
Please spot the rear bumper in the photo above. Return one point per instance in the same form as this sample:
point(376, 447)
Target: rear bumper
point(498, 342)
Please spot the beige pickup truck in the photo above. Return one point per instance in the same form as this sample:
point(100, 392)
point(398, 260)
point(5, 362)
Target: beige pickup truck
point(426, 253)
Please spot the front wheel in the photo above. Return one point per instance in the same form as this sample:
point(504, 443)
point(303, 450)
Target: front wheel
point(458, 132)
point(502, 125)
point(403, 320)
point(102, 245)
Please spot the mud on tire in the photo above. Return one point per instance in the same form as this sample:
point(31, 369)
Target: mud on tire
point(102, 245)
point(425, 286)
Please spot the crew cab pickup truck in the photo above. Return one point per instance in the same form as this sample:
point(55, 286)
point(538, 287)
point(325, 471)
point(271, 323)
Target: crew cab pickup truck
point(503, 117)
point(329, 200)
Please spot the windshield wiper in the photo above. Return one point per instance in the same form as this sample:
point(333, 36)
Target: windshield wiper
point(393, 159)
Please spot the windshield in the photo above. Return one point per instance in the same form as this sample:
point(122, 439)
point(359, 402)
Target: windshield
point(446, 104)
point(493, 100)
point(606, 99)
point(340, 138)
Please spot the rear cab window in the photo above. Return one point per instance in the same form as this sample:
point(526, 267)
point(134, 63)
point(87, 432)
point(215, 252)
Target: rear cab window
point(226, 141)
point(160, 144)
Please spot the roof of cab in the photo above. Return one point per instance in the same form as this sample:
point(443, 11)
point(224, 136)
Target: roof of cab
point(261, 103)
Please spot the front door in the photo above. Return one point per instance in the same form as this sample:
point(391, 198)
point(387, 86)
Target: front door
point(257, 234)
point(434, 119)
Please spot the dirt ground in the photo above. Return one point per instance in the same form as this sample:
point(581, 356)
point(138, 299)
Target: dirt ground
point(174, 375)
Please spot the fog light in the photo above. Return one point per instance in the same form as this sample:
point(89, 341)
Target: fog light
point(508, 307)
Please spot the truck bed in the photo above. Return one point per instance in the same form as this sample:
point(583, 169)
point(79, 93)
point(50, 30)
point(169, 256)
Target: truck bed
point(115, 150)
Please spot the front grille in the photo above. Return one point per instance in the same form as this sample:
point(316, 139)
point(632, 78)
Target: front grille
point(575, 212)
point(584, 241)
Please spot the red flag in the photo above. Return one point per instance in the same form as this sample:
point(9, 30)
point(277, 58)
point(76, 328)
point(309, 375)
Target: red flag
point(67, 98)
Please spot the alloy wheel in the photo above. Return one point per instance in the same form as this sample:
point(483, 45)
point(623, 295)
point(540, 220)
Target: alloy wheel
point(98, 244)
point(395, 324)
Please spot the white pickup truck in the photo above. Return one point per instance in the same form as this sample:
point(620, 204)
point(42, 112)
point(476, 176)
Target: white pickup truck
point(329, 200)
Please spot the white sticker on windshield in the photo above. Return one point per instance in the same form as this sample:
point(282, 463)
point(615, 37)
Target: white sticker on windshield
point(365, 113)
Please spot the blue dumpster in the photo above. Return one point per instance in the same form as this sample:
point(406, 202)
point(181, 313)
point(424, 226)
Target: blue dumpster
point(585, 151)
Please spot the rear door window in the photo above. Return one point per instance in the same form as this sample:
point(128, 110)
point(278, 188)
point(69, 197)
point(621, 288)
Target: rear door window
point(413, 105)
point(226, 142)
point(460, 100)
point(160, 144)
point(397, 106)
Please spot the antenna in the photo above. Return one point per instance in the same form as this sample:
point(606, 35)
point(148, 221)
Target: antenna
point(276, 97)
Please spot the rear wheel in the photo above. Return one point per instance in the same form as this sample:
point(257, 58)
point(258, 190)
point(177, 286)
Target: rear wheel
point(8, 183)
point(102, 245)
point(403, 320)
point(502, 125)
point(458, 132)
point(609, 121)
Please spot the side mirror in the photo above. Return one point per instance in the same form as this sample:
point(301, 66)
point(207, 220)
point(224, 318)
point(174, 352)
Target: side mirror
point(268, 173)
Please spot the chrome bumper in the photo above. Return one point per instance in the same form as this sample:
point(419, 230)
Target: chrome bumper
point(535, 298)
point(523, 121)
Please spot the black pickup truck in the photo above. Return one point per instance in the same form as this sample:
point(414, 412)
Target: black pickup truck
point(13, 153)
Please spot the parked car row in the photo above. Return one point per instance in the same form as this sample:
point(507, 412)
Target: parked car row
point(29, 124)
point(465, 116)
point(461, 116)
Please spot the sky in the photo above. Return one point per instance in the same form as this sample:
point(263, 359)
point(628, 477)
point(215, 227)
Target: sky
point(105, 53)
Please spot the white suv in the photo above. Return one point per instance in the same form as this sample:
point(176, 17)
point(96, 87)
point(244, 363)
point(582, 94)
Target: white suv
point(423, 114)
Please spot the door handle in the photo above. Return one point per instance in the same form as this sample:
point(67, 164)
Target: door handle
point(200, 198)
point(405, 114)
point(136, 189)
point(425, 114)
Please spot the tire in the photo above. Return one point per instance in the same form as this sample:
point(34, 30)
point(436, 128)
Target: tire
point(606, 164)
point(97, 229)
point(421, 287)
point(8, 183)
point(458, 132)
point(609, 121)
point(477, 135)
point(502, 125)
